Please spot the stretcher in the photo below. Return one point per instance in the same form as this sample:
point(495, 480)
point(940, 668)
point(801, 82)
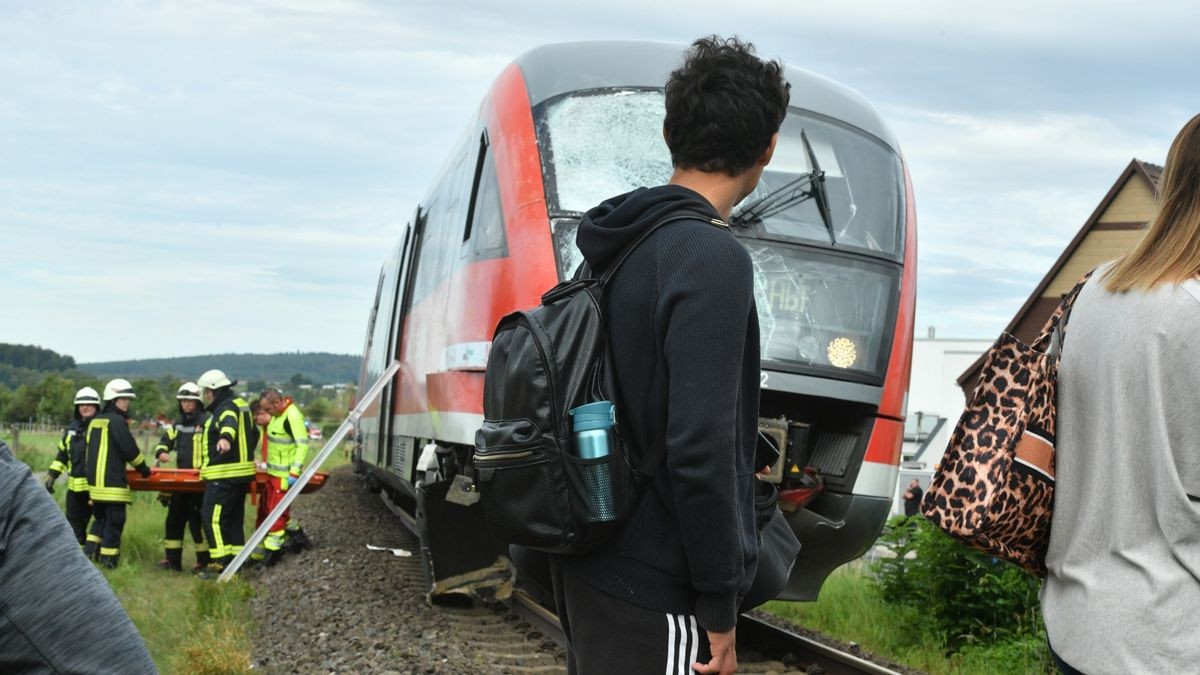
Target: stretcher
point(162, 479)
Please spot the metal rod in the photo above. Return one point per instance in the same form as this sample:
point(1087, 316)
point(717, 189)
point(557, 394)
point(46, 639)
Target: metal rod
point(294, 490)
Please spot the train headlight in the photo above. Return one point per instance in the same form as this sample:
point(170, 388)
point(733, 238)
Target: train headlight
point(842, 352)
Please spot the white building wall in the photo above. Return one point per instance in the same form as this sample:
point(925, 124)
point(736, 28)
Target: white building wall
point(933, 390)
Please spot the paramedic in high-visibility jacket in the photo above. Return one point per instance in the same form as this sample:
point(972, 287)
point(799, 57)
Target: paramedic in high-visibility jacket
point(72, 460)
point(186, 439)
point(287, 450)
point(227, 470)
point(110, 445)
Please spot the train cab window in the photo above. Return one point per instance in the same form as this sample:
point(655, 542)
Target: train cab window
point(486, 228)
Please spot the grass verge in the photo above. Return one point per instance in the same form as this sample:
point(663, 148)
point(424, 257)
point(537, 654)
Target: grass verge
point(850, 609)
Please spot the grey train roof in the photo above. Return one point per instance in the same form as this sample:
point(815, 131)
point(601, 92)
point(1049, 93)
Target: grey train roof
point(556, 69)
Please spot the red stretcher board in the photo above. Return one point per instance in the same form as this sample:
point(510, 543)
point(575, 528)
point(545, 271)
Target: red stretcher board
point(188, 480)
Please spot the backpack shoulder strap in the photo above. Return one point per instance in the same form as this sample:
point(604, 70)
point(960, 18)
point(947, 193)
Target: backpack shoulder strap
point(668, 218)
point(647, 463)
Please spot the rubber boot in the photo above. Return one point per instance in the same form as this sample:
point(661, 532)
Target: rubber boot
point(173, 560)
point(273, 557)
point(297, 541)
point(91, 550)
point(202, 559)
point(213, 569)
point(110, 561)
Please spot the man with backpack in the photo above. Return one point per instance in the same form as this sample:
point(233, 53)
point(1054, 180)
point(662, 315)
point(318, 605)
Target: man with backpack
point(683, 337)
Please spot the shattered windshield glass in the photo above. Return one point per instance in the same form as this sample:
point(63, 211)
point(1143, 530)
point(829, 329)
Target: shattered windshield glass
point(601, 143)
point(820, 312)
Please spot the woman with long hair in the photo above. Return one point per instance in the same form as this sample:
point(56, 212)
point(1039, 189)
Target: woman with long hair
point(1123, 586)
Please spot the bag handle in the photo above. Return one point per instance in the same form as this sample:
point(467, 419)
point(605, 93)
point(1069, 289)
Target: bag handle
point(1060, 316)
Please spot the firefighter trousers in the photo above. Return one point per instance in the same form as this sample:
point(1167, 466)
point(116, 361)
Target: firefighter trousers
point(108, 523)
point(184, 509)
point(223, 513)
point(79, 512)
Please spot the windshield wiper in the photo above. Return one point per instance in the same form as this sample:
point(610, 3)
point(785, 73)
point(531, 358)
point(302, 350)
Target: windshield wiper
point(795, 191)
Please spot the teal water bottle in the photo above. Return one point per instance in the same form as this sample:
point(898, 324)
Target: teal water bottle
point(592, 426)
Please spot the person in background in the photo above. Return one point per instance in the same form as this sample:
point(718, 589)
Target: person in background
point(57, 612)
point(72, 460)
point(262, 417)
point(186, 439)
point(912, 498)
point(1123, 566)
point(228, 469)
point(110, 446)
point(287, 450)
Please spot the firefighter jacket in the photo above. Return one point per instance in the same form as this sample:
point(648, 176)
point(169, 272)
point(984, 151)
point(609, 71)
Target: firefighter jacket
point(230, 419)
point(287, 443)
point(72, 456)
point(186, 438)
point(109, 446)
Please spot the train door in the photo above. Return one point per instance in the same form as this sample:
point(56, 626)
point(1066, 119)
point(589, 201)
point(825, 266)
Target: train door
point(400, 450)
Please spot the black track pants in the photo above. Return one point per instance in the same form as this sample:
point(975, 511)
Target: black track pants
point(79, 512)
point(223, 515)
point(184, 510)
point(109, 523)
point(607, 635)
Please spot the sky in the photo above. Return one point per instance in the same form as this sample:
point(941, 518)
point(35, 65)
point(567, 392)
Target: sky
point(181, 178)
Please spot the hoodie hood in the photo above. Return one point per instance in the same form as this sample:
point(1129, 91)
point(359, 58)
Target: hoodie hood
point(609, 228)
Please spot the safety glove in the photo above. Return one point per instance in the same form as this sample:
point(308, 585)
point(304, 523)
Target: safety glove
point(164, 498)
point(51, 476)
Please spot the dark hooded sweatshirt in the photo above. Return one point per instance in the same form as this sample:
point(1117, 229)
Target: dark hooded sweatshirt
point(683, 330)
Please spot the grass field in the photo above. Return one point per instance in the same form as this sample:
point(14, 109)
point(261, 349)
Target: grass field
point(189, 625)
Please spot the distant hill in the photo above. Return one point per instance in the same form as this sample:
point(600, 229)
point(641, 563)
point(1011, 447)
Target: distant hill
point(316, 367)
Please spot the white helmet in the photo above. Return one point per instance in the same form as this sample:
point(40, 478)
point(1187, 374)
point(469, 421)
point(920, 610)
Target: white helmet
point(87, 396)
point(213, 379)
point(118, 388)
point(188, 391)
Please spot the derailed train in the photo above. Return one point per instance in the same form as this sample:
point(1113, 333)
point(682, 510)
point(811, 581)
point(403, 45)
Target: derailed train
point(831, 231)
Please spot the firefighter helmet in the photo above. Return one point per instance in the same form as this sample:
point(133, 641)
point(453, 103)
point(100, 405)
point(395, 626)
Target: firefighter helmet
point(118, 388)
point(87, 396)
point(188, 391)
point(213, 379)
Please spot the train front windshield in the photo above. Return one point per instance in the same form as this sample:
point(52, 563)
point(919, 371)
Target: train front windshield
point(826, 261)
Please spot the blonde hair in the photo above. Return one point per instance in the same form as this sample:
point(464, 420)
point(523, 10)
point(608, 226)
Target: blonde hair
point(1170, 249)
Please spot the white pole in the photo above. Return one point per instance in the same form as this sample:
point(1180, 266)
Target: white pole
point(294, 490)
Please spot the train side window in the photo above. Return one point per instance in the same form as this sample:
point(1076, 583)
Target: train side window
point(488, 240)
point(483, 147)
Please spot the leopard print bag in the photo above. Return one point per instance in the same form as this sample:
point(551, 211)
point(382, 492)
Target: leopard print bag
point(994, 488)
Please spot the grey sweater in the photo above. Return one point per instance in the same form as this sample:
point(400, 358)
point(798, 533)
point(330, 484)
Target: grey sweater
point(1123, 589)
point(57, 612)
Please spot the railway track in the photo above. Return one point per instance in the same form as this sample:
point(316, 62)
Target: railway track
point(763, 647)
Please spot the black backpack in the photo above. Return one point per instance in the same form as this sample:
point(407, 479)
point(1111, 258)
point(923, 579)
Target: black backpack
point(543, 362)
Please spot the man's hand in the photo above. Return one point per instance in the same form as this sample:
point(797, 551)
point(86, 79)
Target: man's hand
point(164, 457)
point(223, 445)
point(724, 654)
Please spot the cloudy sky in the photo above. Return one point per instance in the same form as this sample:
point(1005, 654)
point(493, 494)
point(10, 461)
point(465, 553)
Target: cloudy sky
point(184, 178)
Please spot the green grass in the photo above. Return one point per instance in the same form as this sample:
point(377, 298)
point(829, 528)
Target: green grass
point(850, 609)
point(189, 625)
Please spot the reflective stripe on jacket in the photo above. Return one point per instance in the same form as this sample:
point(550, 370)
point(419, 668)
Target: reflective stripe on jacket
point(231, 420)
point(109, 446)
point(287, 443)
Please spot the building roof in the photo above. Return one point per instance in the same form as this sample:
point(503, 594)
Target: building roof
point(1045, 297)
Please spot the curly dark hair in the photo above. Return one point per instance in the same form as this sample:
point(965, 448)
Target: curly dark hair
point(723, 105)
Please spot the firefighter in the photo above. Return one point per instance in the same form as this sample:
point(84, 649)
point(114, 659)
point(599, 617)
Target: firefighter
point(186, 439)
point(72, 460)
point(287, 450)
point(228, 469)
point(109, 446)
point(261, 419)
